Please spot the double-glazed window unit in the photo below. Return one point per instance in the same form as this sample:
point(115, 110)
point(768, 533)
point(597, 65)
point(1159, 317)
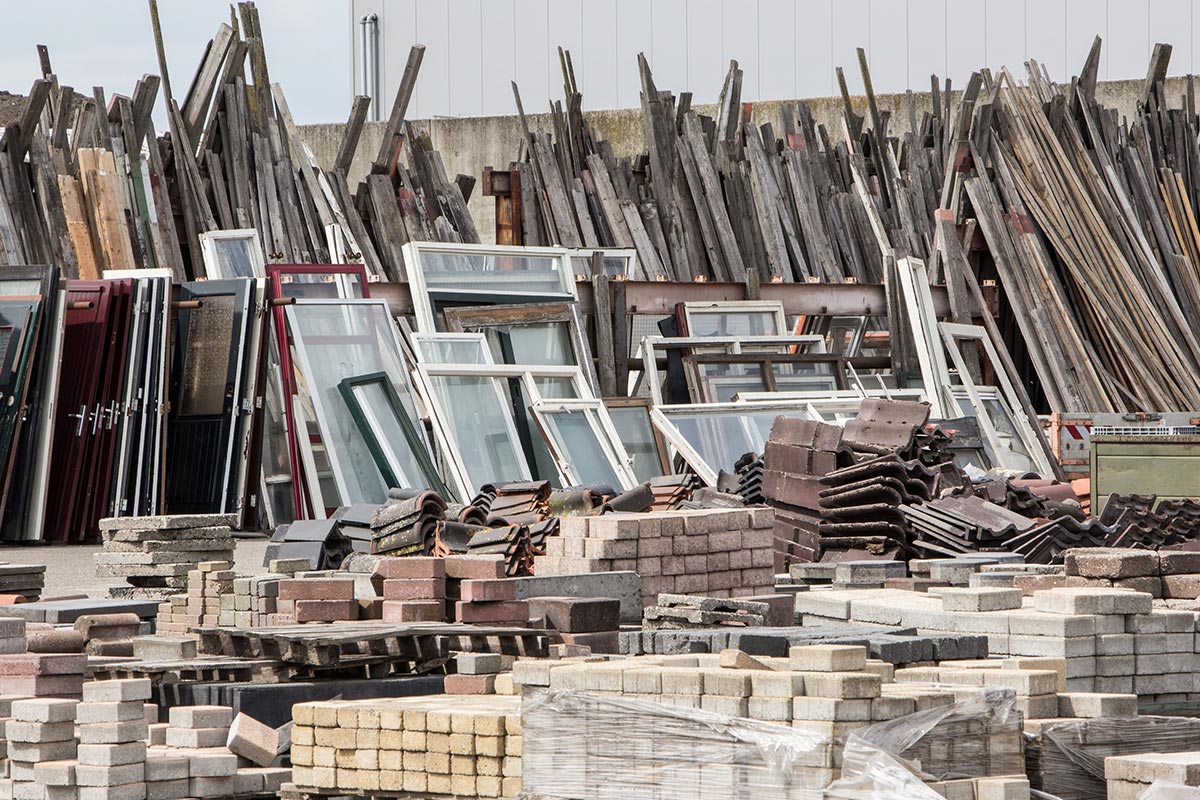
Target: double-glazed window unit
point(285, 498)
point(442, 275)
point(584, 443)
point(713, 436)
point(616, 262)
point(451, 348)
point(735, 318)
point(545, 334)
point(232, 254)
point(671, 384)
point(645, 446)
point(336, 340)
point(718, 378)
point(485, 426)
point(1008, 435)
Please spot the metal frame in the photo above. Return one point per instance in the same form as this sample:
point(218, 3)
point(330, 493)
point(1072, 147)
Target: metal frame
point(660, 444)
point(922, 320)
point(953, 333)
point(418, 340)
point(607, 440)
point(158, 284)
point(447, 443)
point(302, 360)
point(813, 343)
point(365, 419)
point(691, 311)
point(208, 251)
point(470, 319)
point(421, 292)
point(661, 417)
point(697, 383)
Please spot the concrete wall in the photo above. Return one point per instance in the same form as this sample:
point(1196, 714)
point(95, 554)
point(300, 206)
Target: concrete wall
point(468, 144)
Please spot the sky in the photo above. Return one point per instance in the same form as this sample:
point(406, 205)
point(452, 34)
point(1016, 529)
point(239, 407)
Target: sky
point(109, 43)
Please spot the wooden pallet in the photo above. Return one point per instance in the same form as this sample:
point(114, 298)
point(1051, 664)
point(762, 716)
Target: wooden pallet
point(290, 791)
point(218, 669)
point(342, 644)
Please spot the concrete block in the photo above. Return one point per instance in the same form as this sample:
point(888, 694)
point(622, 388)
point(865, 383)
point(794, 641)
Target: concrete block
point(1110, 562)
point(112, 755)
point(828, 658)
point(115, 691)
point(200, 716)
point(1091, 705)
point(43, 709)
point(478, 664)
point(993, 599)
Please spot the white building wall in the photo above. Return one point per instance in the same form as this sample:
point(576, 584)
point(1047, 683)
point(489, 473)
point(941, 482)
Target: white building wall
point(786, 48)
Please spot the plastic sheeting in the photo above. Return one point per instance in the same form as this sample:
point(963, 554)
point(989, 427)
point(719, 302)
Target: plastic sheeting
point(975, 738)
point(591, 746)
point(1067, 758)
point(1165, 790)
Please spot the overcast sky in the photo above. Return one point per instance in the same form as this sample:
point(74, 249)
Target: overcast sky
point(109, 43)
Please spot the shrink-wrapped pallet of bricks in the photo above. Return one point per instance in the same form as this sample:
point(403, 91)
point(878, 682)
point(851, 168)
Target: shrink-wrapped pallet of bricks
point(1066, 758)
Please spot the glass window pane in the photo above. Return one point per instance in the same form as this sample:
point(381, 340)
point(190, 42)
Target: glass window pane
point(722, 438)
point(388, 433)
point(207, 356)
point(346, 340)
point(543, 344)
point(451, 351)
point(637, 435)
point(234, 259)
point(476, 416)
point(733, 323)
point(582, 448)
point(321, 285)
point(490, 272)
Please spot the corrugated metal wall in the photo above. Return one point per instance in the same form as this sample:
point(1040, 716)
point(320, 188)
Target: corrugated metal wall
point(787, 48)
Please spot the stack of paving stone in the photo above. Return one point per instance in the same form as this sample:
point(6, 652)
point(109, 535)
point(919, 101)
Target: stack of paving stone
point(1112, 640)
point(1065, 758)
point(679, 611)
point(23, 580)
point(413, 589)
point(823, 693)
point(1128, 777)
point(892, 645)
point(200, 606)
point(254, 601)
point(1173, 575)
point(717, 553)
point(109, 634)
point(460, 745)
point(97, 749)
point(154, 554)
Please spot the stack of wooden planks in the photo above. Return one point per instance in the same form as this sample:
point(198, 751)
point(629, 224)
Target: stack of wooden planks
point(86, 184)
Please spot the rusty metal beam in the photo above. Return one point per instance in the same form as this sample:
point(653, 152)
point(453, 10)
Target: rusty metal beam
point(660, 297)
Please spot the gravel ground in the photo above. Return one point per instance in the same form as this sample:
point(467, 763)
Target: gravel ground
point(71, 569)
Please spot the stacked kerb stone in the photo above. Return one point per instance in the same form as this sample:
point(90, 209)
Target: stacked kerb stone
point(154, 554)
point(200, 606)
point(718, 553)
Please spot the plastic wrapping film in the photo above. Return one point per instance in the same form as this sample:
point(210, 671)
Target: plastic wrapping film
point(590, 746)
point(975, 738)
point(1165, 790)
point(1066, 759)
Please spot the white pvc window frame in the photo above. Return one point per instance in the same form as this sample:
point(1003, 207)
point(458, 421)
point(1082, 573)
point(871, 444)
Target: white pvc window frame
point(832, 407)
point(953, 333)
point(303, 365)
point(419, 290)
point(922, 320)
point(420, 340)
point(607, 440)
point(721, 345)
point(731, 308)
point(661, 417)
point(212, 263)
point(447, 442)
point(629, 254)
